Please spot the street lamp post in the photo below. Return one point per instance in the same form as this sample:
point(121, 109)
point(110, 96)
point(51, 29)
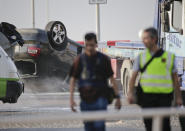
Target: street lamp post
point(47, 6)
point(98, 31)
point(98, 28)
point(33, 13)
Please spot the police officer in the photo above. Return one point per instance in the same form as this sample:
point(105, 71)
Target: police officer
point(92, 69)
point(159, 79)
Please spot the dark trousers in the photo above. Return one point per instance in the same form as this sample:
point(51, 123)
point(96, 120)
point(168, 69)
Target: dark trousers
point(156, 101)
point(182, 119)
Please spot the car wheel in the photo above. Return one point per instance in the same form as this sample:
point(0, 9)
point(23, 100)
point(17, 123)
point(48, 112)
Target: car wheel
point(126, 79)
point(57, 35)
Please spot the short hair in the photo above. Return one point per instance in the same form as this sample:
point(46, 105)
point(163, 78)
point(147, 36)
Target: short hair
point(153, 32)
point(91, 36)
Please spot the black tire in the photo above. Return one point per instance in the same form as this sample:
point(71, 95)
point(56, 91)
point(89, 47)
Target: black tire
point(10, 100)
point(57, 35)
point(126, 82)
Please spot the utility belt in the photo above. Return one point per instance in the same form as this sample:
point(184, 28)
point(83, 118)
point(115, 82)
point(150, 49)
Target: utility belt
point(90, 94)
point(149, 98)
point(142, 97)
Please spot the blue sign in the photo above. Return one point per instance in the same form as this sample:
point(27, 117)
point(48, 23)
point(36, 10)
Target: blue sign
point(183, 81)
point(130, 45)
point(175, 43)
point(179, 65)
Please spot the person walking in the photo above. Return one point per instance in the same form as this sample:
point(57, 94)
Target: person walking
point(182, 119)
point(158, 78)
point(92, 70)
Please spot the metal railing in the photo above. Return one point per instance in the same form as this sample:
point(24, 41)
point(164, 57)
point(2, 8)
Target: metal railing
point(35, 115)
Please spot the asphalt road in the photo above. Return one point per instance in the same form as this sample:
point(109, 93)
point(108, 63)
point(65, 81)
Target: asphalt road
point(78, 129)
point(35, 104)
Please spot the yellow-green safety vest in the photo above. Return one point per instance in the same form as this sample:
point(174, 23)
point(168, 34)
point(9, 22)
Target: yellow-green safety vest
point(157, 78)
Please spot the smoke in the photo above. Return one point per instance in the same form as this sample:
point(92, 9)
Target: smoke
point(46, 85)
point(52, 71)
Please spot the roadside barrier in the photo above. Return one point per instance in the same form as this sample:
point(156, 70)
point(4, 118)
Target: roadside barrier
point(49, 115)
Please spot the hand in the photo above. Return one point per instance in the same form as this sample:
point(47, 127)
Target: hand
point(118, 104)
point(130, 98)
point(73, 104)
point(179, 101)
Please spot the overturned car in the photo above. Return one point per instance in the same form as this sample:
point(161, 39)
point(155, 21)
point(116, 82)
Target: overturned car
point(44, 51)
point(40, 54)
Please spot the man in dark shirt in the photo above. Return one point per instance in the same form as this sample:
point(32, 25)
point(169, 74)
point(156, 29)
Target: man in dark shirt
point(92, 69)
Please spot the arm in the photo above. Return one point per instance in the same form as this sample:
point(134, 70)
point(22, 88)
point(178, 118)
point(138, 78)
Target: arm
point(74, 74)
point(116, 90)
point(72, 88)
point(177, 91)
point(136, 68)
point(131, 87)
point(109, 75)
point(132, 81)
point(115, 87)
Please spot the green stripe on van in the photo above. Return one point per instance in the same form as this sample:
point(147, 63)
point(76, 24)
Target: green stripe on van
point(9, 79)
point(3, 85)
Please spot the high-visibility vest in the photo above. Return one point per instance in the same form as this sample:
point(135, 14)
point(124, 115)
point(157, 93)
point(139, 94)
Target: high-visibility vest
point(157, 78)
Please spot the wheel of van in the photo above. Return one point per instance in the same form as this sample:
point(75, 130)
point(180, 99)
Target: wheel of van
point(126, 79)
point(57, 35)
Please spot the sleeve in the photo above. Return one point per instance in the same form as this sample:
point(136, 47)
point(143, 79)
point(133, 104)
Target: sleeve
point(136, 65)
point(109, 71)
point(76, 68)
